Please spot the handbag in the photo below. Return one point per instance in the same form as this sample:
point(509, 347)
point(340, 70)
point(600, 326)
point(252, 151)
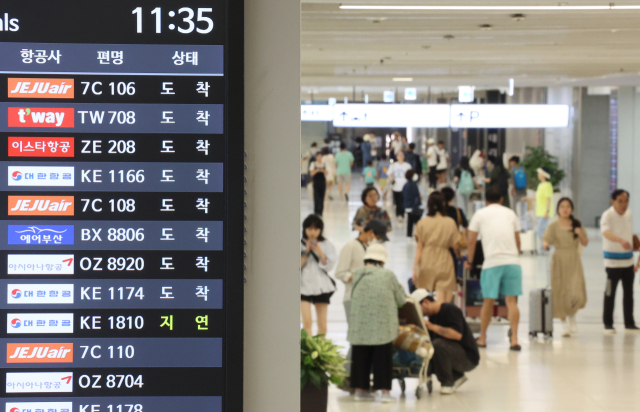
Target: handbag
point(636, 243)
point(463, 237)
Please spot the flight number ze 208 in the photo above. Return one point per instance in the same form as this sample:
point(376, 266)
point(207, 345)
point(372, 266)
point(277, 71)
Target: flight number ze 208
point(113, 235)
point(114, 264)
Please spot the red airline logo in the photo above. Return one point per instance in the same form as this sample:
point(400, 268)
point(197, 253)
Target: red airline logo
point(41, 205)
point(41, 117)
point(41, 88)
point(41, 146)
point(39, 352)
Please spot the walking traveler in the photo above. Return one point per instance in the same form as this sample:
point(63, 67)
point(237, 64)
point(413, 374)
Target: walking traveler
point(443, 164)
point(383, 168)
point(499, 177)
point(318, 256)
point(567, 276)
point(458, 216)
point(375, 298)
point(397, 172)
point(344, 161)
point(465, 179)
point(433, 159)
point(544, 198)
point(433, 268)
point(366, 149)
point(328, 161)
point(370, 210)
point(369, 173)
point(455, 349)
point(412, 201)
point(318, 173)
point(396, 145)
point(518, 182)
point(305, 162)
point(413, 158)
point(499, 229)
point(618, 241)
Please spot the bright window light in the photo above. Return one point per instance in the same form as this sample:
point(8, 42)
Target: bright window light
point(403, 79)
point(491, 8)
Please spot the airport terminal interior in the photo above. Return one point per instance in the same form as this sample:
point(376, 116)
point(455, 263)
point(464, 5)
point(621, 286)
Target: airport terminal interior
point(556, 86)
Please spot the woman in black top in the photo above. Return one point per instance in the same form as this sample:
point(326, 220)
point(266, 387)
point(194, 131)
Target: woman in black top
point(318, 175)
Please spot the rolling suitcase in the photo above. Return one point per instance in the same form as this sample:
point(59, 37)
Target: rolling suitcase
point(541, 312)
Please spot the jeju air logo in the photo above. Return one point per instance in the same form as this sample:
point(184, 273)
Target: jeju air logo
point(39, 352)
point(41, 205)
point(16, 323)
point(54, 117)
point(16, 293)
point(41, 88)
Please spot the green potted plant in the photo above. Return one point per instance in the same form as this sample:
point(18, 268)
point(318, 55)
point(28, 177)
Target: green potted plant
point(536, 157)
point(320, 363)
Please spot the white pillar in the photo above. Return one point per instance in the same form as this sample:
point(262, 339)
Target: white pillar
point(559, 142)
point(629, 147)
point(272, 139)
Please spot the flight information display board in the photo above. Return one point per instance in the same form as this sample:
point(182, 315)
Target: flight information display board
point(122, 178)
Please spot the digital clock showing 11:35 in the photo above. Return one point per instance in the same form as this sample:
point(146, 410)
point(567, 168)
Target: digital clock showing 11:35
point(186, 15)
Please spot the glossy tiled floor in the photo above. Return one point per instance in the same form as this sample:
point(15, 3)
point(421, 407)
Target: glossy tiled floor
point(588, 372)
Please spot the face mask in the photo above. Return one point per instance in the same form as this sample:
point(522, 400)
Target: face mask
point(415, 177)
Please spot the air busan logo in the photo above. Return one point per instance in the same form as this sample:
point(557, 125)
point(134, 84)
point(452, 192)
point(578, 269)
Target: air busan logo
point(54, 117)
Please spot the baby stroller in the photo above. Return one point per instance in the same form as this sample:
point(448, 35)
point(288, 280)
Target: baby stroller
point(413, 349)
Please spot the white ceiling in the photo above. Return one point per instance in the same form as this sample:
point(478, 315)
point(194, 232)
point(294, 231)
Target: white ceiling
point(343, 49)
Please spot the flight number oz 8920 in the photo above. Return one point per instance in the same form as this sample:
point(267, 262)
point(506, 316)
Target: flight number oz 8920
point(114, 264)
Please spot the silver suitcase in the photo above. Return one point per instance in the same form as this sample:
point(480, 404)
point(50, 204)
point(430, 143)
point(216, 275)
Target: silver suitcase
point(541, 312)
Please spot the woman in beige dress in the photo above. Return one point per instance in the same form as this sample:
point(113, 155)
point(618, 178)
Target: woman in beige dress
point(567, 276)
point(433, 267)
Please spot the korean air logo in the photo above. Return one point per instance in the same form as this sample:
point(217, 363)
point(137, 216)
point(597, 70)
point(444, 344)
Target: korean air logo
point(16, 323)
point(39, 406)
point(14, 410)
point(16, 293)
point(16, 175)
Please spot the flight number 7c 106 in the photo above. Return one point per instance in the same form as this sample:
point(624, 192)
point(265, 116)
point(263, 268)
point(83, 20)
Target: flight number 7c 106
point(119, 88)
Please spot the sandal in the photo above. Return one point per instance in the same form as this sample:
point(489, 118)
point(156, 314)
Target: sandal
point(481, 346)
point(516, 348)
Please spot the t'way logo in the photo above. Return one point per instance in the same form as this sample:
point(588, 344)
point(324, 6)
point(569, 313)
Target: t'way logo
point(39, 352)
point(41, 117)
point(41, 88)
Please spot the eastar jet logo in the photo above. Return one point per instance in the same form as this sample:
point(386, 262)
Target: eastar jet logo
point(41, 117)
point(39, 352)
point(41, 88)
point(41, 205)
point(41, 146)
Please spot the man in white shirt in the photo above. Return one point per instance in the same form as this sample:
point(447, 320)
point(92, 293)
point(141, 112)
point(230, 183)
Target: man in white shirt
point(432, 162)
point(499, 228)
point(616, 225)
point(443, 163)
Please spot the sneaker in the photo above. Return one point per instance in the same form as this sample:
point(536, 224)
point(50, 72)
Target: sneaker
point(458, 383)
point(573, 324)
point(447, 390)
point(364, 397)
point(609, 330)
point(632, 329)
point(387, 398)
point(566, 328)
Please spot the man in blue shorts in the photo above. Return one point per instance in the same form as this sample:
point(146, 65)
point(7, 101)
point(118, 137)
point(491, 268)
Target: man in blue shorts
point(499, 230)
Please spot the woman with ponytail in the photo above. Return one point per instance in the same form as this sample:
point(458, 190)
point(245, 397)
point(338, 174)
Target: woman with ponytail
point(567, 276)
point(433, 268)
